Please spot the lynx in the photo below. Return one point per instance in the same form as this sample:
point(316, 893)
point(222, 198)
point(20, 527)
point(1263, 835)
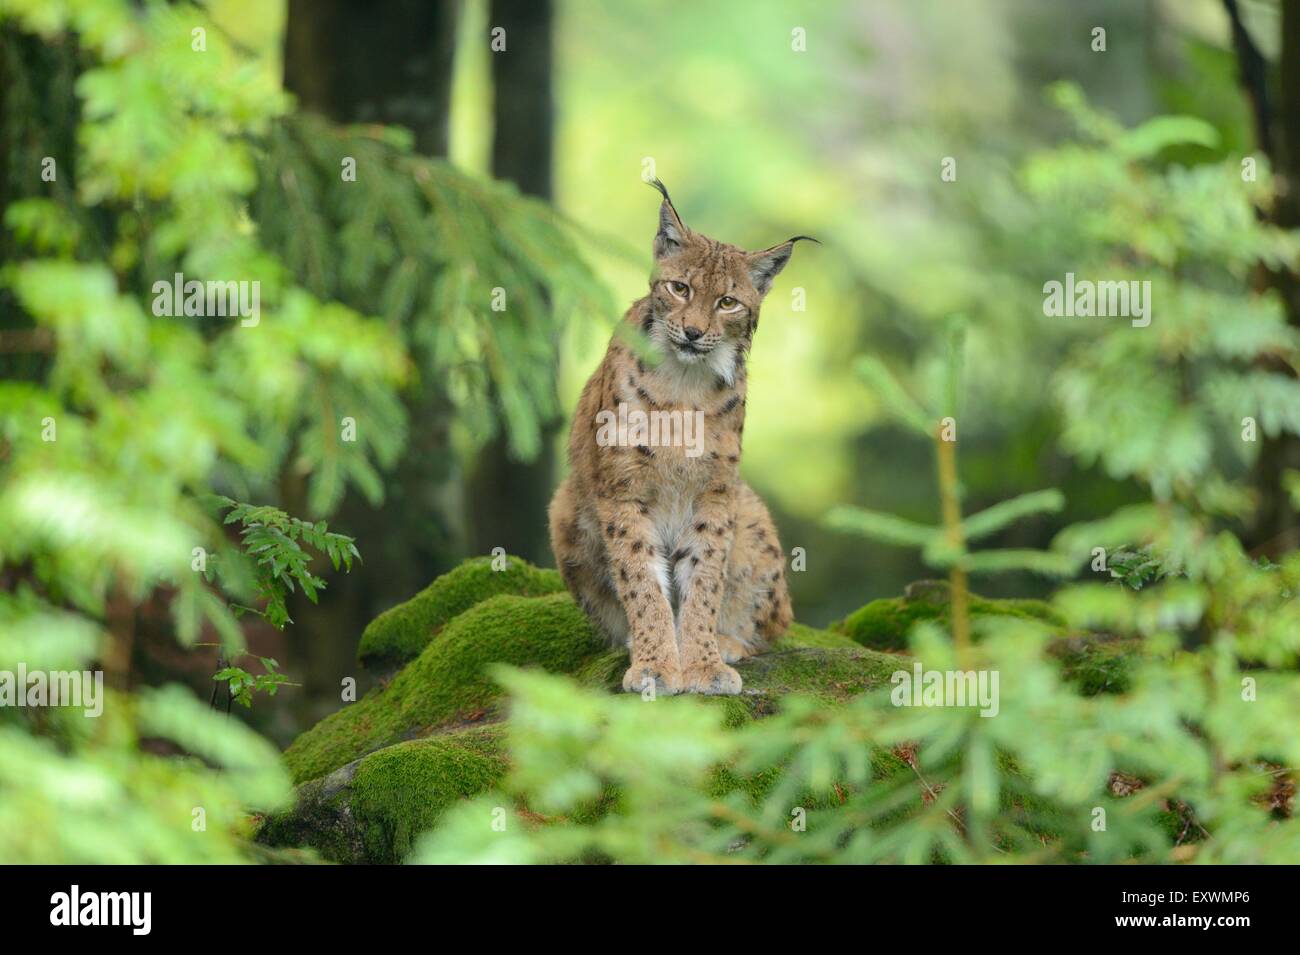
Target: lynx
point(660, 542)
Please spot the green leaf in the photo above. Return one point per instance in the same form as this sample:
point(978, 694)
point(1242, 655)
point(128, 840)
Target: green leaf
point(881, 527)
point(981, 775)
point(893, 396)
point(1161, 132)
point(1037, 561)
point(993, 519)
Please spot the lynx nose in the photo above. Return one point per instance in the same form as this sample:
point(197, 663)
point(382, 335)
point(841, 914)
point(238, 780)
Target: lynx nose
point(692, 334)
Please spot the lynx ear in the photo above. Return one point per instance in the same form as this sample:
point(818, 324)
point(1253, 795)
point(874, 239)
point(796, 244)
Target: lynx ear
point(672, 234)
point(766, 265)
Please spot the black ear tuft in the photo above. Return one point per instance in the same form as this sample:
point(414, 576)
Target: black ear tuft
point(766, 265)
point(672, 233)
point(663, 190)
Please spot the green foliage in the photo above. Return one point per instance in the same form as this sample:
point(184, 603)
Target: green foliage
point(118, 423)
point(479, 281)
point(80, 790)
point(567, 745)
point(274, 539)
point(1134, 568)
point(874, 782)
point(1195, 234)
point(242, 684)
point(945, 546)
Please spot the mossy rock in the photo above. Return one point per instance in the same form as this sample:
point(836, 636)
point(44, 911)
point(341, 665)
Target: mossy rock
point(448, 683)
point(885, 624)
point(398, 635)
point(382, 770)
point(372, 809)
point(606, 669)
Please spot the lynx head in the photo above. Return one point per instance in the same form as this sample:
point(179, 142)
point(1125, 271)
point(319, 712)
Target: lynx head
point(705, 295)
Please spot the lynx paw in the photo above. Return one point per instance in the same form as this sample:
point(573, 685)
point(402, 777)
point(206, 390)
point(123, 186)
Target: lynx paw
point(667, 680)
point(716, 679)
point(732, 649)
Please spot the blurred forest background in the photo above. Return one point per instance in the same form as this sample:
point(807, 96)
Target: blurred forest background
point(521, 168)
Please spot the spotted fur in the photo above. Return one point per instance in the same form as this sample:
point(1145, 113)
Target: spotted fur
point(668, 552)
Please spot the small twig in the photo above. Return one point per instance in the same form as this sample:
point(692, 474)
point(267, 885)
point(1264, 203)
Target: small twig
point(949, 492)
point(961, 826)
point(222, 663)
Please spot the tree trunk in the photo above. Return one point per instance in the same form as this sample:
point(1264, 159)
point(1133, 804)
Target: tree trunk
point(354, 63)
point(508, 497)
point(347, 60)
point(1276, 528)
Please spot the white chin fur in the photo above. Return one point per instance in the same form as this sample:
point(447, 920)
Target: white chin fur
point(695, 369)
point(722, 361)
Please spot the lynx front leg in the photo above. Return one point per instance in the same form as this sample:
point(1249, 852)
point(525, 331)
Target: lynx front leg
point(703, 670)
point(641, 575)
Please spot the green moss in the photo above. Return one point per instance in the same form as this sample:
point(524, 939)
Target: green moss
point(604, 671)
point(832, 675)
point(1178, 822)
point(400, 791)
point(736, 710)
point(1097, 665)
point(449, 682)
point(885, 624)
point(320, 819)
point(399, 634)
point(800, 635)
point(373, 809)
point(724, 781)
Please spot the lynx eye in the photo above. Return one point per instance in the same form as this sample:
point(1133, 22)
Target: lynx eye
point(680, 289)
point(727, 303)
